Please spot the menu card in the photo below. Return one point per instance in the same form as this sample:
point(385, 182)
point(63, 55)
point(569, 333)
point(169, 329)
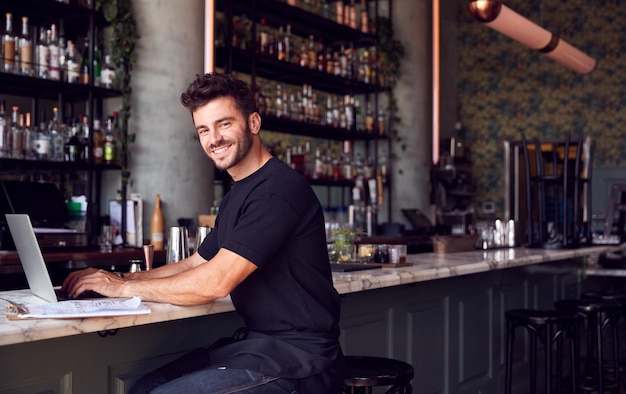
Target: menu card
point(78, 309)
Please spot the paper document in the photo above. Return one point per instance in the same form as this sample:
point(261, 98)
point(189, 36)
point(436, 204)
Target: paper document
point(81, 308)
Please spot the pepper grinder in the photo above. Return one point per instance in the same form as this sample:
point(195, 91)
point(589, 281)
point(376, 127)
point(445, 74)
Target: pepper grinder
point(148, 253)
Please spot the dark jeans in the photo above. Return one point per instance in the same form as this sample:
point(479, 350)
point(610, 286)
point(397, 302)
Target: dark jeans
point(193, 373)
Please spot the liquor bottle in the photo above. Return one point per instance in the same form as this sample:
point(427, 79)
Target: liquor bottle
point(29, 137)
point(8, 40)
point(369, 117)
point(42, 140)
point(98, 143)
point(72, 148)
point(304, 55)
point(26, 49)
point(17, 138)
point(85, 69)
point(42, 55)
point(364, 17)
point(62, 50)
point(351, 15)
point(54, 70)
point(156, 225)
point(109, 142)
point(263, 38)
point(108, 73)
point(72, 64)
point(84, 133)
point(97, 66)
point(278, 101)
point(57, 138)
point(281, 48)
point(312, 52)
point(5, 136)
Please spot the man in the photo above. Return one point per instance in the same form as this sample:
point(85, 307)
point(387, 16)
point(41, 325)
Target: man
point(267, 250)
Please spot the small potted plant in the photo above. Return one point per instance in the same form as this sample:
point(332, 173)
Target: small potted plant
point(343, 244)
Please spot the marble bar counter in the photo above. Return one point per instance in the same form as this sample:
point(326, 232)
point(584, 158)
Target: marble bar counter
point(444, 314)
point(424, 267)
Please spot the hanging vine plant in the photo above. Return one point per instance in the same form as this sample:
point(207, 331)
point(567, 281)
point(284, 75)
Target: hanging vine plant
point(391, 52)
point(118, 13)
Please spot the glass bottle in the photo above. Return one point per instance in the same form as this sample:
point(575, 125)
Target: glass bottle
point(72, 64)
point(42, 143)
point(54, 70)
point(5, 139)
point(156, 225)
point(84, 133)
point(17, 138)
point(107, 76)
point(72, 148)
point(26, 49)
point(29, 136)
point(98, 143)
point(97, 66)
point(57, 138)
point(85, 69)
point(364, 17)
point(281, 49)
point(109, 142)
point(8, 39)
point(312, 52)
point(42, 55)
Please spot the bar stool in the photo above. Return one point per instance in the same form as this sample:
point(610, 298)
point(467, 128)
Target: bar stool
point(597, 315)
point(620, 298)
point(549, 327)
point(365, 372)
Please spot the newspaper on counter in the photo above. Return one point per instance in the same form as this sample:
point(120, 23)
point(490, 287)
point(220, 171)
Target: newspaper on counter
point(78, 309)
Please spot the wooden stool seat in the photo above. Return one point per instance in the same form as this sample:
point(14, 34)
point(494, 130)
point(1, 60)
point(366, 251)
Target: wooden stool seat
point(364, 372)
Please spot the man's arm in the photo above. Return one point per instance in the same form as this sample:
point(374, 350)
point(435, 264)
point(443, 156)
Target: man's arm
point(200, 283)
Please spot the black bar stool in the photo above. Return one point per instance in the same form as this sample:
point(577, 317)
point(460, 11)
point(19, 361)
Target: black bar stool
point(620, 298)
point(365, 372)
point(550, 327)
point(597, 315)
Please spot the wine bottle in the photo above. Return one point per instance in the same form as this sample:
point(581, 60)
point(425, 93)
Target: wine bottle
point(156, 225)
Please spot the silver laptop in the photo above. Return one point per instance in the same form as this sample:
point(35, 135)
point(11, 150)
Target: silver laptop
point(30, 256)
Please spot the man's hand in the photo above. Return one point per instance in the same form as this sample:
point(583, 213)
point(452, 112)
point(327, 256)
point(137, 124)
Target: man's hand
point(103, 282)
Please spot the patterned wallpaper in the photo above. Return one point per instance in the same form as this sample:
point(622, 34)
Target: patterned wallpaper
point(504, 88)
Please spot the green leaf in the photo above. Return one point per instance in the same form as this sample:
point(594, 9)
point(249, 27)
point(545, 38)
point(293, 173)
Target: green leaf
point(109, 9)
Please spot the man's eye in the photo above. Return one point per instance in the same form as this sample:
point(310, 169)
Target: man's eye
point(203, 131)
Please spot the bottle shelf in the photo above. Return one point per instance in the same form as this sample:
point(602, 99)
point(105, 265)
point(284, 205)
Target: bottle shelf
point(303, 22)
point(48, 11)
point(288, 126)
point(23, 164)
point(23, 85)
point(290, 73)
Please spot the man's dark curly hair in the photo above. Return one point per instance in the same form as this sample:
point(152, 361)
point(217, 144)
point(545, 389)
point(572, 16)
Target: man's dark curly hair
point(213, 85)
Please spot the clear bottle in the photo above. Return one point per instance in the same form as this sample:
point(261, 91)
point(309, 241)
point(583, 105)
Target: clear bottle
point(54, 70)
point(57, 137)
point(281, 49)
point(97, 66)
point(85, 69)
point(83, 137)
point(5, 130)
point(156, 225)
point(312, 52)
point(108, 73)
point(17, 137)
point(41, 53)
point(29, 137)
point(72, 147)
point(98, 143)
point(26, 49)
point(72, 64)
point(109, 142)
point(8, 40)
point(42, 143)
point(364, 17)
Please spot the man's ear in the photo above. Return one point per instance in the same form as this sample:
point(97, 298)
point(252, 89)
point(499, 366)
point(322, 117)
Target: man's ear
point(254, 122)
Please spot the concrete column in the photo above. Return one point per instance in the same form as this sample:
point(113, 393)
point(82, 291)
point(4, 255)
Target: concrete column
point(413, 92)
point(166, 157)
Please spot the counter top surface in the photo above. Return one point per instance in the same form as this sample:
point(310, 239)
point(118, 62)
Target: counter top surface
point(424, 267)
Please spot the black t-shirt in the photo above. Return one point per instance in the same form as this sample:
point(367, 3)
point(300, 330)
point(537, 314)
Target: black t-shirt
point(274, 219)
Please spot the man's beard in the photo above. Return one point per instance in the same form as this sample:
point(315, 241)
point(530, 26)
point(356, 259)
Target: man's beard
point(243, 147)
